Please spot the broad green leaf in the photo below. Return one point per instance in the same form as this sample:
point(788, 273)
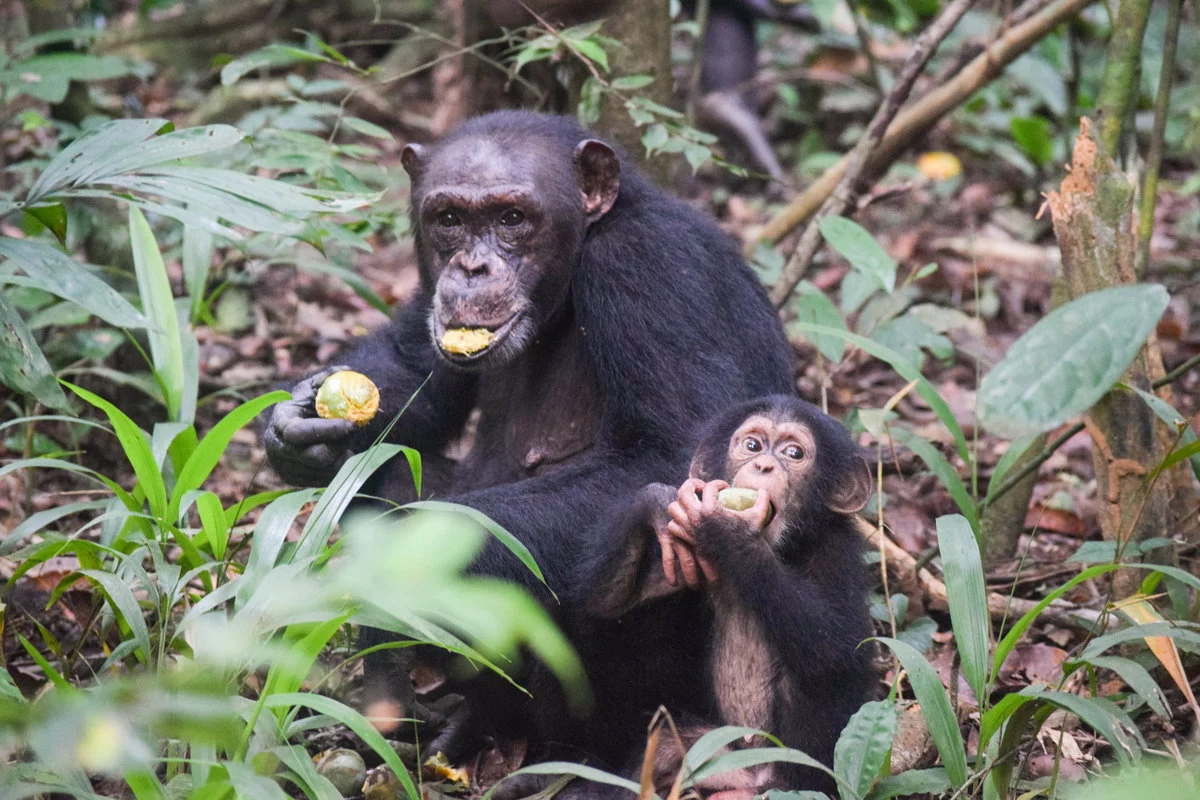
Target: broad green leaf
point(813, 306)
point(752, 757)
point(367, 128)
point(864, 746)
point(1067, 361)
point(632, 82)
point(1102, 716)
point(173, 146)
point(166, 346)
point(859, 247)
point(273, 55)
point(54, 217)
point(966, 594)
point(212, 517)
point(939, 715)
point(655, 137)
point(715, 740)
point(41, 520)
point(57, 273)
point(23, 366)
point(136, 448)
point(1034, 137)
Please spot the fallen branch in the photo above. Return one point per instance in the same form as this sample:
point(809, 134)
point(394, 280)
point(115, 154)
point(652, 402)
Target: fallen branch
point(926, 112)
point(847, 190)
point(1000, 606)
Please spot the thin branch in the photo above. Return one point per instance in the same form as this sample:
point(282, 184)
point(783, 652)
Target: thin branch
point(925, 112)
point(847, 190)
point(1162, 104)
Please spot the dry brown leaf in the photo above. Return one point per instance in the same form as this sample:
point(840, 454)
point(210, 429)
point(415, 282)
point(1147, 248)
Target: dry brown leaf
point(1139, 609)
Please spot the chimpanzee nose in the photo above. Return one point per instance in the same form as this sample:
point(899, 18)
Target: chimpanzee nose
point(476, 266)
point(764, 464)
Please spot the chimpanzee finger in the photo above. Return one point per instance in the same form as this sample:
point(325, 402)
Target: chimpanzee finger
point(708, 497)
point(757, 514)
point(707, 567)
point(306, 431)
point(668, 556)
point(680, 526)
point(689, 492)
point(687, 562)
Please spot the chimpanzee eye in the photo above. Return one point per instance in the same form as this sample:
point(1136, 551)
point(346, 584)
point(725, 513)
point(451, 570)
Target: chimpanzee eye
point(794, 452)
point(752, 444)
point(449, 219)
point(512, 218)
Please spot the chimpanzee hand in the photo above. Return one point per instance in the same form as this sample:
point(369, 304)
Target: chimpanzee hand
point(304, 449)
point(697, 501)
point(679, 541)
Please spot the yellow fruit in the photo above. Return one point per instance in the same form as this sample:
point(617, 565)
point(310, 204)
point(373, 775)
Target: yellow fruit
point(348, 395)
point(737, 499)
point(466, 341)
point(939, 166)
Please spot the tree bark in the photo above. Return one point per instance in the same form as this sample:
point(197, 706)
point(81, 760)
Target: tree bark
point(1095, 225)
point(644, 28)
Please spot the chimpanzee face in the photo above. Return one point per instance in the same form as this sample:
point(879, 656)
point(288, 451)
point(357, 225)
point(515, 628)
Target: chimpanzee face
point(500, 226)
point(776, 456)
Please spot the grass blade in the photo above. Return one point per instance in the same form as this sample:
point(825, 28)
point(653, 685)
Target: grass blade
point(967, 597)
point(166, 348)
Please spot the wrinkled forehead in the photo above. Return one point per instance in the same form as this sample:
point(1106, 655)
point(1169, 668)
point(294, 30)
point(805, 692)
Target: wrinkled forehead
point(482, 163)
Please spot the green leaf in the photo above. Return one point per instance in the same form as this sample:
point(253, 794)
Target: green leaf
point(935, 704)
point(210, 449)
point(1102, 716)
point(166, 346)
point(1067, 361)
point(96, 146)
point(23, 366)
point(1171, 418)
point(136, 448)
point(55, 272)
point(1015, 450)
point(859, 247)
point(578, 770)
point(352, 720)
point(933, 782)
point(212, 518)
point(126, 606)
point(1034, 137)
point(487, 523)
point(864, 745)
point(907, 370)
point(54, 217)
point(632, 82)
point(1138, 679)
point(655, 137)
point(367, 128)
point(813, 306)
point(592, 51)
point(941, 467)
point(967, 597)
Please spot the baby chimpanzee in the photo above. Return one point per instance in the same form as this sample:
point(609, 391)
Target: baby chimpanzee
point(784, 578)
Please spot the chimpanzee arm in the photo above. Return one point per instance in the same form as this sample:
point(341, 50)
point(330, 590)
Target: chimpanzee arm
point(557, 516)
point(812, 619)
point(625, 570)
point(307, 450)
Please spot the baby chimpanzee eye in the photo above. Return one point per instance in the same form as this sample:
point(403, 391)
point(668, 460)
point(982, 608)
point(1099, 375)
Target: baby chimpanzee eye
point(449, 219)
point(512, 218)
point(752, 444)
point(794, 452)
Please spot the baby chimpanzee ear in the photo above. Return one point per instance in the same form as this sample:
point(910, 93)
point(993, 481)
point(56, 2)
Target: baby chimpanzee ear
point(854, 490)
point(411, 157)
point(599, 173)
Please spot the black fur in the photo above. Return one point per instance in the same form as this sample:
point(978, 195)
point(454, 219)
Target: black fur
point(659, 325)
point(809, 597)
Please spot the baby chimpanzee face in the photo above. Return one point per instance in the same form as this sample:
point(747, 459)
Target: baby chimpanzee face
point(777, 456)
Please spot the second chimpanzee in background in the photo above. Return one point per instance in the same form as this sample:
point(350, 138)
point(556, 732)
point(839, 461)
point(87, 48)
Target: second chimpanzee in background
point(786, 585)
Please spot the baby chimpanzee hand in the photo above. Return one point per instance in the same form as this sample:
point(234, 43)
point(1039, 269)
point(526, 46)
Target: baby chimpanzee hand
point(304, 449)
point(696, 502)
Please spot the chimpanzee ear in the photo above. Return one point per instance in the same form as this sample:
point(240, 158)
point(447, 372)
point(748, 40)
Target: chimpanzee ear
point(411, 158)
point(854, 491)
point(599, 173)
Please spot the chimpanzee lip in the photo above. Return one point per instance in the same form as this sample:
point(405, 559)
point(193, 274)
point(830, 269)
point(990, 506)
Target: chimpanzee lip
point(499, 334)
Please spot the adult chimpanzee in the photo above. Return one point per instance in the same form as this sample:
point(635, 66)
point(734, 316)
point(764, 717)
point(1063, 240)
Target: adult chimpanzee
point(786, 585)
point(617, 319)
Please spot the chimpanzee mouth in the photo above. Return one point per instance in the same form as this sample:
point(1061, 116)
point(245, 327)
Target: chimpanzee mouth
point(463, 345)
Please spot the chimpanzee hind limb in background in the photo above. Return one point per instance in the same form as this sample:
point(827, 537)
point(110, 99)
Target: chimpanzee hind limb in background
point(617, 320)
point(786, 589)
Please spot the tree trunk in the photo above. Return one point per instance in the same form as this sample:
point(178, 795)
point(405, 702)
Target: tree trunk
point(644, 28)
point(1095, 225)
